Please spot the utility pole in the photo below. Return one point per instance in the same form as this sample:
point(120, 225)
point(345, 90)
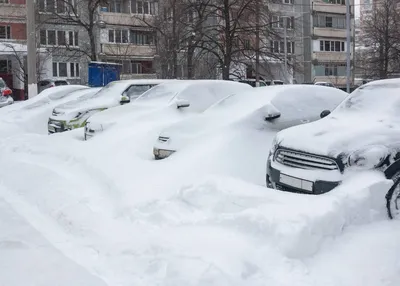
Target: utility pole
point(348, 34)
point(31, 36)
point(285, 47)
point(257, 43)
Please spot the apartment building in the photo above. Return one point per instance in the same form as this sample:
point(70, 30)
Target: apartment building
point(325, 41)
point(287, 22)
point(126, 36)
point(12, 43)
point(65, 41)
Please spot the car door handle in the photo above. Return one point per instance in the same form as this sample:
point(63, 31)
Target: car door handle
point(305, 120)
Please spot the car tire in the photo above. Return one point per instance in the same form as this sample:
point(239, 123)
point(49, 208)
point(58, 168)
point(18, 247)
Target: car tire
point(393, 198)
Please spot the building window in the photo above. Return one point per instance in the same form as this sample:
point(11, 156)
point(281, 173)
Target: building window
point(5, 32)
point(246, 44)
point(115, 6)
point(118, 36)
point(280, 21)
point(56, 6)
point(136, 68)
point(58, 38)
point(132, 36)
point(142, 7)
point(4, 1)
point(335, 22)
point(73, 38)
point(287, 1)
point(51, 38)
point(74, 69)
point(331, 70)
point(332, 46)
point(141, 37)
point(5, 66)
point(279, 47)
point(61, 39)
point(68, 70)
point(340, 2)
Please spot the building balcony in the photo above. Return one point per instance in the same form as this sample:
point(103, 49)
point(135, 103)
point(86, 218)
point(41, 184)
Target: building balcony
point(128, 50)
point(12, 12)
point(125, 19)
point(329, 33)
point(329, 57)
point(321, 6)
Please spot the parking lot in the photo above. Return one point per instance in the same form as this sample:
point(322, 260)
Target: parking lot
point(177, 191)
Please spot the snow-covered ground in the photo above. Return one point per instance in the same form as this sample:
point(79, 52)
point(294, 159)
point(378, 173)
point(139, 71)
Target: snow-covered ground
point(103, 212)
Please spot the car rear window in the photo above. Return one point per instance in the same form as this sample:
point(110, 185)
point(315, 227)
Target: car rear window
point(60, 82)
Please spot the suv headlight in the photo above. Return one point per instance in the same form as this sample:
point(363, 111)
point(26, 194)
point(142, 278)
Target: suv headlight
point(274, 146)
point(368, 158)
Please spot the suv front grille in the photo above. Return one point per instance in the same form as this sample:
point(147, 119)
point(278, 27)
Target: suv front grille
point(304, 161)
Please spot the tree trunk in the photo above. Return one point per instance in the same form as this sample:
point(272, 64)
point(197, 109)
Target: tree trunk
point(92, 41)
point(190, 55)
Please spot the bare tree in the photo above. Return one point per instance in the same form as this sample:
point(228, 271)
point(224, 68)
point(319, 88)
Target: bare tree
point(82, 13)
point(381, 34)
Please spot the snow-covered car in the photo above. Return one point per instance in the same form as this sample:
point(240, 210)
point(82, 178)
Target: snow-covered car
point(362, 133)
point(267, 108)
point(5, 94)
point(31, 115)
point(184, 96)
point(324, 83)
point(74, 114)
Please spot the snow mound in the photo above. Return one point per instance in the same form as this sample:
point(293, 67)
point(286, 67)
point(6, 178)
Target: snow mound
point(296, 224)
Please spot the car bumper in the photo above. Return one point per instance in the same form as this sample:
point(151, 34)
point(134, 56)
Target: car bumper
point(6, 102)
point(285, 182)
point(162, 153)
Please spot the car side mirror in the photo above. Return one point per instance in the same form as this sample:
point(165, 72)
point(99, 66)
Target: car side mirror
point(125, 99)
point(271, 113)
point(182, 103)
point(325, 113)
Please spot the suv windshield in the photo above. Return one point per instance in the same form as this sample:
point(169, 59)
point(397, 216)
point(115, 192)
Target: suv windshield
point(2, 83)
point(135, 91)
point(379, 98)
point(167, 91)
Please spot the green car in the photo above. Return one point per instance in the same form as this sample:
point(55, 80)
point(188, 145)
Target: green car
point(74, 114)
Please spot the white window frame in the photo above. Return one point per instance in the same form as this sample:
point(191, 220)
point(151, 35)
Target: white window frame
point(69, 73)
point(281, 47)
point(150, 5)
point(8, 32)
point(74, 4)
point(332, 45)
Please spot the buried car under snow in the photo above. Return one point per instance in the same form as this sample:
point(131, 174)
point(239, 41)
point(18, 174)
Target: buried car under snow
point(185, 96)
point(264, 108)
point(5, 94)
point(74, 114)
point(362, 133)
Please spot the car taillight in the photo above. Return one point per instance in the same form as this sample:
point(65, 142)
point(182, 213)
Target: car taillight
point(7, 92)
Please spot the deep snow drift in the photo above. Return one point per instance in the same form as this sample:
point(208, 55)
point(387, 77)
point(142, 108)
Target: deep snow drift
point(108, 214)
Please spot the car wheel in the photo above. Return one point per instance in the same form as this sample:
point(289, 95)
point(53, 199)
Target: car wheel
point(393, 198)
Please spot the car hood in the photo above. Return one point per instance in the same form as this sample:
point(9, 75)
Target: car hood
point(128, 113)
point(122, 114)
point(334, 136)
point(185, 132)
point(84, 104)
